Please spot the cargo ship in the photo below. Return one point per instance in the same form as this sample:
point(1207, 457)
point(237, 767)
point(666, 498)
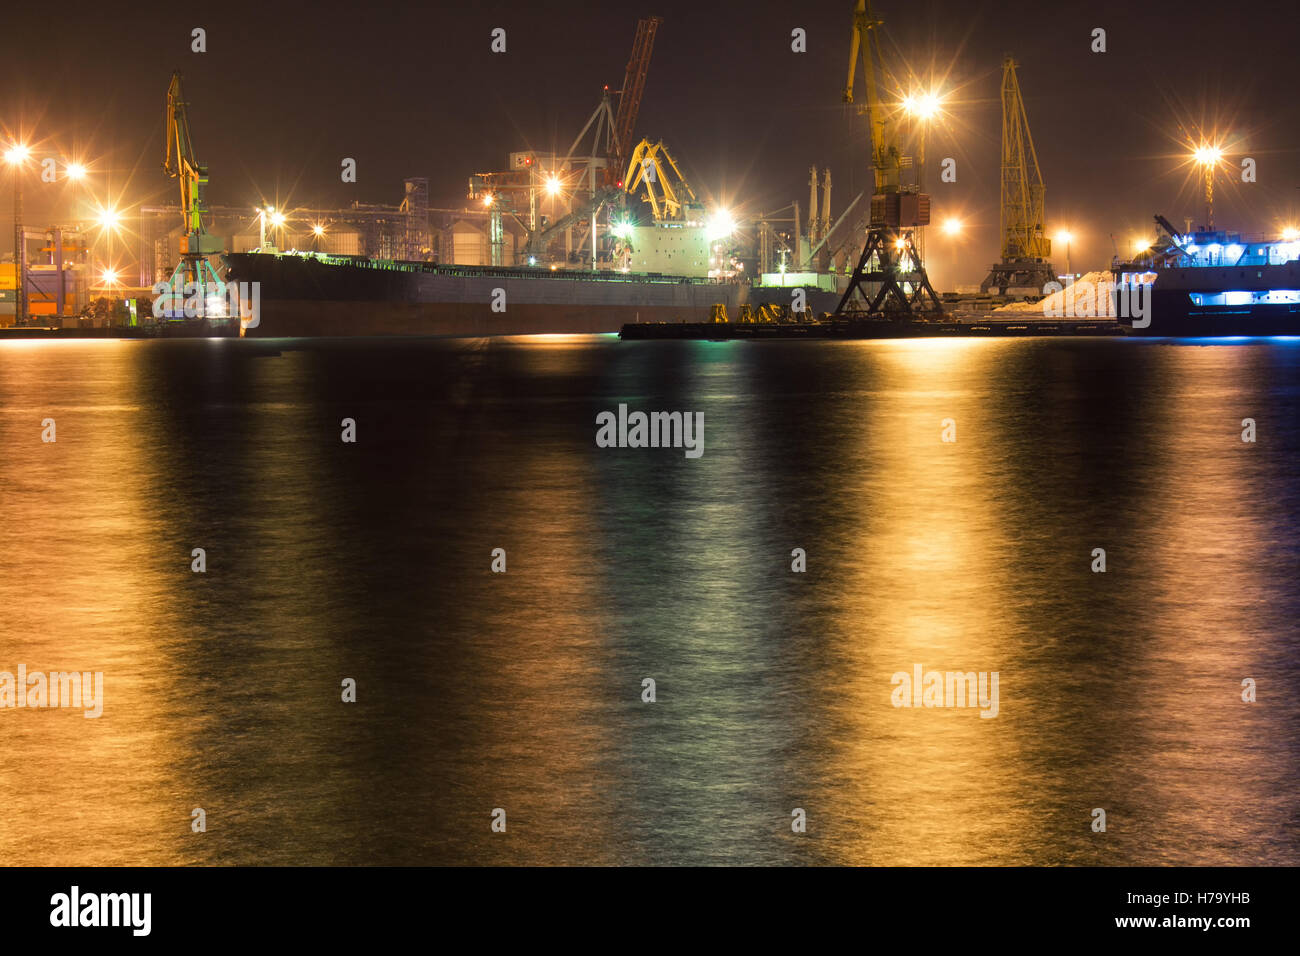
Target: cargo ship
point(1214, 284)
point(313, 294)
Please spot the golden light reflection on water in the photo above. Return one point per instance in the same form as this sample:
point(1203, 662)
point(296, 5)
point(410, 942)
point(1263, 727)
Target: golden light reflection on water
point(1211, 554)
point(524, 690)
point(922, 589)
point(79, 592)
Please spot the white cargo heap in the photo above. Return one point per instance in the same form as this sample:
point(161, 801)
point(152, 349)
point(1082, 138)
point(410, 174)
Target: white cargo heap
point(1089, 295)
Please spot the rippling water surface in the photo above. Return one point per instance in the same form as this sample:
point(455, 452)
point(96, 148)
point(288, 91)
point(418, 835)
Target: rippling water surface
point(523, 691)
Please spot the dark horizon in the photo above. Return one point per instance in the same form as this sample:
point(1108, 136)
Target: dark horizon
point(280, 97)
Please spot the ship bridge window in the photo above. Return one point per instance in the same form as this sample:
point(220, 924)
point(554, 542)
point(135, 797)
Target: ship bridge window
point(1246, 297)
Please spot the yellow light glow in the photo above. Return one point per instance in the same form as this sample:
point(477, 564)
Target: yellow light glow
point(109, 276)
point(553, 186)
point(318, 230)
point(922, 105)
point(17, 153)
point(952, 227)
point(1207, 155)
point(108, 218)
point(720, 225)
point(277, 219)
point(1291, 233)
point(487, 199)
point(1064, 236)
point(899, 244)
point(1141, 245)
point(75, 171)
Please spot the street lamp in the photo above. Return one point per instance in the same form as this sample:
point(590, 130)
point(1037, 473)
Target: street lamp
point(1066, 236)
point(108, 220)
point(922, 108)
point(1207, 157)
point(265, 213)
point(16, 156)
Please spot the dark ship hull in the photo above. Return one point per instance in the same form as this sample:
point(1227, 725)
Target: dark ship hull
point(341, 296)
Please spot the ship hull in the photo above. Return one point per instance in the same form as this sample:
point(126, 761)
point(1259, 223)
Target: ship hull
point(1190, 302)
point(300, 296)
point(1172, 315)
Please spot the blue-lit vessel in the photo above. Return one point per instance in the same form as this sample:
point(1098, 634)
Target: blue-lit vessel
point(1214, 284)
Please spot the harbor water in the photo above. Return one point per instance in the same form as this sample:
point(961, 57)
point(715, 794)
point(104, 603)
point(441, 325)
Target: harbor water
point(948, 502)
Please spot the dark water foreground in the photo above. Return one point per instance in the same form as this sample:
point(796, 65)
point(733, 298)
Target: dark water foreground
point(523, 691)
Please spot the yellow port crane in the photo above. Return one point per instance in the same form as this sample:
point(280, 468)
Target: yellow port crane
point(1026, 250)
point(889, 277)
point(652, 169)
point(194, 277)
point(864, 42)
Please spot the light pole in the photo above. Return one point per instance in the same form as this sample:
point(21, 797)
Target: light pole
point(922, 108)
point(108, 218)
point(1065, 236)
point(16, 156)
point(1207, 157)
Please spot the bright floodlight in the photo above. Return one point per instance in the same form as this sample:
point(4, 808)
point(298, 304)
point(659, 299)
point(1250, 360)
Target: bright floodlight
point(951, 226)
point(17, 153)
point(1064, 236)
point(923, 105)
point(720, 225)
point(75, 171)
point(899, 243)
point(109, 276)
point(318, 230)
point(109, 218)
point(1141, 245)
point(277, 219)
point(487, 199)
point(553, 186)
point(1207, 155)
point(1291, 233)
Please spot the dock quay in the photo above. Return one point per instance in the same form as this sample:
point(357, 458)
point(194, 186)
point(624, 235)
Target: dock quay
point(948, 326)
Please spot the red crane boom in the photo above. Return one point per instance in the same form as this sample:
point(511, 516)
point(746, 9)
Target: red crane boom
point(629, 102)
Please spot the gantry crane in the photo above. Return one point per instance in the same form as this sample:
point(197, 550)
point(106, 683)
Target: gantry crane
point(1026, 250)
point(889, 277)
point(194, 269)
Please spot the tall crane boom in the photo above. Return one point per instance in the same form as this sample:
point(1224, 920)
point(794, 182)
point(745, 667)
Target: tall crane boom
point(1026, 250)
point(864, 45)
point(194, 278)
point(181, 165)
point(629, 103)
point(1022, 182)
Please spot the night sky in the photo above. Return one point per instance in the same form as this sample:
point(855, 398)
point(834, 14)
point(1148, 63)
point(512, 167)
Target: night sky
point(285, 92)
